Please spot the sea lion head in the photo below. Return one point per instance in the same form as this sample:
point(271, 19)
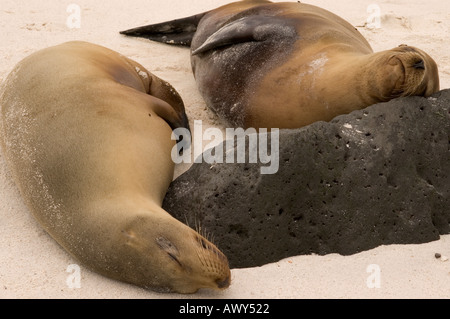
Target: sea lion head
point(197, 262)
point(410, 71)
point(173, 257)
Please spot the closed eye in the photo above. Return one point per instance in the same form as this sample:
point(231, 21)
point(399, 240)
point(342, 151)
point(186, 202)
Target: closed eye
point(175, 259)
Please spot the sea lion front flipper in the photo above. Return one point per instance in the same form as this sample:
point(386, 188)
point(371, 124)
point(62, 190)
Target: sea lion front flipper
point(179, 31)
point(168, 105)
point(246, 29)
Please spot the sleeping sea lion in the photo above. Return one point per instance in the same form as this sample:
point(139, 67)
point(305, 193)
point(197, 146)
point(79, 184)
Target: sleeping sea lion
point(288, 64)
point(87, 134)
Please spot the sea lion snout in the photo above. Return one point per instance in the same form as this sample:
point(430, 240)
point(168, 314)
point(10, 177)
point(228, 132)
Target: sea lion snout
point(411, 57)
point(421, 72)
point(419, 64)
point(214, 262)
point(222, 284)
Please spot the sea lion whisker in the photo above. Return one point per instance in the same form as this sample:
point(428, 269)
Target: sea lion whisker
point(186, 221)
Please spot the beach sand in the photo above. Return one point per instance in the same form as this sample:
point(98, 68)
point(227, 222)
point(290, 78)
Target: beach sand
point(33, 265)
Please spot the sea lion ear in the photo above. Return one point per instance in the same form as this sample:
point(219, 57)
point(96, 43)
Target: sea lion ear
point(179, 31)
point(247, 29)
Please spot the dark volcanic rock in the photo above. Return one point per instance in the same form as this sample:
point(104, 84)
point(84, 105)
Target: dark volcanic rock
point(373, 177)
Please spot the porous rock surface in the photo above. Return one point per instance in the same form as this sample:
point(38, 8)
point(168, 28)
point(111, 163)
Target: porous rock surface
point(374, 177)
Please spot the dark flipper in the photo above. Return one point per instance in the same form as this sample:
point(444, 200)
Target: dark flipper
point(179, 31)
point(247, 29)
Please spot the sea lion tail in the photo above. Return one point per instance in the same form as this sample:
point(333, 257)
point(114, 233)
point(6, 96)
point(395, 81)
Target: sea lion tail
point(179, 31)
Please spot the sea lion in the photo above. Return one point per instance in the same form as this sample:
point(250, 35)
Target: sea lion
point(87, 134)
point(286, 65)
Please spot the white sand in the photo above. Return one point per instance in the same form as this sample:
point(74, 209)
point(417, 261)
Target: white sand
point(34, 266)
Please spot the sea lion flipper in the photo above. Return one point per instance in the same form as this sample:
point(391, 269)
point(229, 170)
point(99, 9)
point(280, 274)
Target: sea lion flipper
point(167, 103)
point(178, 31)
point(246, 29)
point(169, 106)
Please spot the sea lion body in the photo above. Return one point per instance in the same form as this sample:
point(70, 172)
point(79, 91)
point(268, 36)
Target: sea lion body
point(87, 133)
point(262, 64)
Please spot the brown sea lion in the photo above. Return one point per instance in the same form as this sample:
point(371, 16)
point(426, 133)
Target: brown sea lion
point(287, 64)
point(87, 134)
